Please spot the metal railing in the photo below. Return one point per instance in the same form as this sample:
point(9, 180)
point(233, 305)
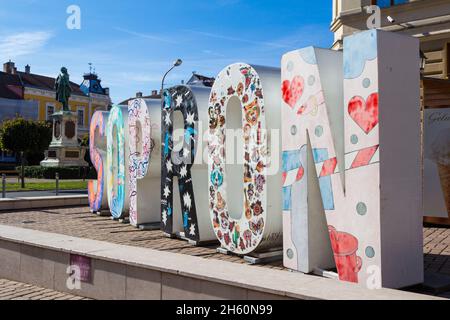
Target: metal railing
point(4, 185)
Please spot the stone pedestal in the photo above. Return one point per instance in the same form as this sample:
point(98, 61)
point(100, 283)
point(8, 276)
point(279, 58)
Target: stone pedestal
point(64, 150)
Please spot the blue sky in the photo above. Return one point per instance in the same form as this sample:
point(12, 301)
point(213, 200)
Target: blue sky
point(132, 43)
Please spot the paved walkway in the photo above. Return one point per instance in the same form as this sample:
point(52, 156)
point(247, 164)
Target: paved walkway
point(11, 290)
point(79, 222)
point(437, 250)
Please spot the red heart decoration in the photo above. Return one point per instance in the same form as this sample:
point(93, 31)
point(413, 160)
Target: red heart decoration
point(293, 90)
point(364, 113)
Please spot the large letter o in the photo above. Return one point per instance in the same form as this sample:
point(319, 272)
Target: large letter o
point(259, 226)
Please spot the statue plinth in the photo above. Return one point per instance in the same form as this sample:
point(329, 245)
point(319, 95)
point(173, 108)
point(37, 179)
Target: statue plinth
point(64, 150)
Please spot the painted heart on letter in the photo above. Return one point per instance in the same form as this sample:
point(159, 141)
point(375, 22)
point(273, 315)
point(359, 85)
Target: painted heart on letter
point(364, 113)
point(293, 90)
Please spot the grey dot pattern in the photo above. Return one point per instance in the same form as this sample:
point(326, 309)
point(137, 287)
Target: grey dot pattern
point(370, 252)
point(361, 208)
point(290, 254)
point(294, 130)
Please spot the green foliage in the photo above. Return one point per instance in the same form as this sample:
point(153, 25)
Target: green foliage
point(45, 186)
point(85, 143)
point(29, 136)
point(38, 172)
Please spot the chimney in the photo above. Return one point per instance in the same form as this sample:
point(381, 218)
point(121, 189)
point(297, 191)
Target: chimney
point(106, 91)
point(9, 67)
point(139, 95)
point(27, 69)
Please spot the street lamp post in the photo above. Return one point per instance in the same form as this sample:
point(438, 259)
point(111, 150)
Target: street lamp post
point(177, 63)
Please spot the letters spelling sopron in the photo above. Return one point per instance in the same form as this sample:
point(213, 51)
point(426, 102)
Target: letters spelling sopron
point(347, 194)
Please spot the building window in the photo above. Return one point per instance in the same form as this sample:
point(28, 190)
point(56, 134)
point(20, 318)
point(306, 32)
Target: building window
point(49, 112)
point(80, 113)
point(388, 3)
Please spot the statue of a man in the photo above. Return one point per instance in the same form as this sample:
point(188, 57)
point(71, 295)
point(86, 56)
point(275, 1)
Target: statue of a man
point(63, 89)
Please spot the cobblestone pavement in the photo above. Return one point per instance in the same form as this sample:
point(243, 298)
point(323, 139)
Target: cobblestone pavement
point(11, 290)
point(437, 250)
point(79, 222)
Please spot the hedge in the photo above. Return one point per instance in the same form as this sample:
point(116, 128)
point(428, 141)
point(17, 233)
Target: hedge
point(38, 172)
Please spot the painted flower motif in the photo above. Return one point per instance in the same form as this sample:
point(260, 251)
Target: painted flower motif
point(252, 112)
point(245, 98)
point(257, 208)
point(247, 173)
point(260, 181)
point(220, 202)
point(212, 192)
point(248, 238)
point(231, 91)
point(242, 244)
point(259, 93)
point(213, 97)
point(217, 109)
point(248, 81)
point(250, 192)
point(247, 133)
point(211, 112)
point(255, 155)
point(260, 167)
point(219, 235)
point(213, 122)
point(224, 223)
point(216, 222)
point(240, 89)
point(257, 225)
point(227, 238)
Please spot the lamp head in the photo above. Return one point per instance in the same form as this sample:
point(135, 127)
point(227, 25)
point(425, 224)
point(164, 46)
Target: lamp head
point(178, 62)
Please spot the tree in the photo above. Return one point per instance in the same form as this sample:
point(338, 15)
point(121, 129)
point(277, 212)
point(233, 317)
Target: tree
point(21, 135)
point(85, 143)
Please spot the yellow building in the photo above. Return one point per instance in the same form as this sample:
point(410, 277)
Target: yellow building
point(427, 20)
point(85, 100)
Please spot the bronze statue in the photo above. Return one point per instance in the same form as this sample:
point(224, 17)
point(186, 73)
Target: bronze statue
point(63, 89)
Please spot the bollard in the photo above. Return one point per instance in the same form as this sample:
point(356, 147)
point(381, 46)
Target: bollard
point(57, 183)
point(3, 186)
point(22, 170)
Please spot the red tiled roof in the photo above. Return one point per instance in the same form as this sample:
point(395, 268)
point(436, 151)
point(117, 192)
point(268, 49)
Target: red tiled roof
point(30, 80)
point(6, 93)
point(43, 82)
point(9, 85)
